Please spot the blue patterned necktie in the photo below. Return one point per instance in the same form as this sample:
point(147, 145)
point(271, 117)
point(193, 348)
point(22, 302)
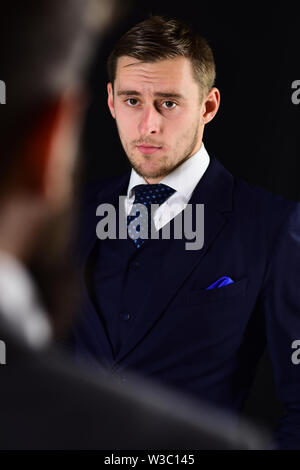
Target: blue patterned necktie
point(148, 194)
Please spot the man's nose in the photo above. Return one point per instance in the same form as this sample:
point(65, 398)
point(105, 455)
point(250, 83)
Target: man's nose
point(150, 121)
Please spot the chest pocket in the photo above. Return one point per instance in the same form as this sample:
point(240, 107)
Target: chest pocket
point(218, 294)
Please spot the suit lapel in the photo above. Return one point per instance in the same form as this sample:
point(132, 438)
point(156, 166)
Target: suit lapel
point(214, 191)
point(89, 220)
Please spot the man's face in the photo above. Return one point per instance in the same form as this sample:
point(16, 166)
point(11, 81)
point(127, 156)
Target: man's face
point(157, 108)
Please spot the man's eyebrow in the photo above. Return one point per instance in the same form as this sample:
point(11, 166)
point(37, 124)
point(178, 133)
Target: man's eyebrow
point(168, 94)
point(128, 92)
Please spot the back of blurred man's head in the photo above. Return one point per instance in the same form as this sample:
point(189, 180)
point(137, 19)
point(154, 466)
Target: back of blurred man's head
point(45, 47)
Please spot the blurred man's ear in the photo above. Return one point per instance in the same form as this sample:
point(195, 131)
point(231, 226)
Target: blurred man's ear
point(110, 99)
point(51, 147)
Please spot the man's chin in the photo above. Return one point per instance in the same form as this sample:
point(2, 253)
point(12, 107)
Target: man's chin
point(150, 172)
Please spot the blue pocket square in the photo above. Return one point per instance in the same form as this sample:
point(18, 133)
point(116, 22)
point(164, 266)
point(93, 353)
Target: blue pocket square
point(223, 281)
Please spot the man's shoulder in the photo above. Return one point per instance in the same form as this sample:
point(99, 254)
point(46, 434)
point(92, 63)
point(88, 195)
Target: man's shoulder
point(265, 201)
point(245, 198)
point(257, 199)
point(70, 407)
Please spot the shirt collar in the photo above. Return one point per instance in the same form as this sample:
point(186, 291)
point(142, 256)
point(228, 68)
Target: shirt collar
point(183, 179)
point(20, 308)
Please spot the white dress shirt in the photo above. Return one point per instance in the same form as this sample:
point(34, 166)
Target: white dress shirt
point(183, 179)
point(20, 308)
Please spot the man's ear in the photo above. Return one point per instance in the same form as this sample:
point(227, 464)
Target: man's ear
point(50, 147)
point(110, 99)
point(210, 105)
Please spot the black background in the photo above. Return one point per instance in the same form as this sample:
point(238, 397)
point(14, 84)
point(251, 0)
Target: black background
point(255, 134)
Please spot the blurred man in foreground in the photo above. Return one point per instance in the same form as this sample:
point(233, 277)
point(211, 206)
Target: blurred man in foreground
point(45, 403)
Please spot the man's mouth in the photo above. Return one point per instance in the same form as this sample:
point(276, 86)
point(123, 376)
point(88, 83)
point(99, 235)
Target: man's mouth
point(148, 149)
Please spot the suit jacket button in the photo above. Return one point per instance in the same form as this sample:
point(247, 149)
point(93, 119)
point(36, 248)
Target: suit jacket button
point(125, 316)
point(135, 265)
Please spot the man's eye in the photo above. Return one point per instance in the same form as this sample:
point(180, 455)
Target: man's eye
point(131, 101)
point(169, 104)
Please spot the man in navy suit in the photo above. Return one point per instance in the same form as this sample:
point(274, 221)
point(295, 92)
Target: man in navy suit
point(195, 319)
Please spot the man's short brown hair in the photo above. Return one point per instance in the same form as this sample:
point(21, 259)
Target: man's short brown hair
point(157, 39)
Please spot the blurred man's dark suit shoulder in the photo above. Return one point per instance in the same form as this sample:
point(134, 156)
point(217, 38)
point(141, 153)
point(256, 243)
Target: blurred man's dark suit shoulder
point(46, 403)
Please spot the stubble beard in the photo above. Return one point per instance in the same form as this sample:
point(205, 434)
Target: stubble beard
point(164, 169)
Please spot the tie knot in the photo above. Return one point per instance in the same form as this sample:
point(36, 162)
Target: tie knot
point(146, 194)
point(152, 193)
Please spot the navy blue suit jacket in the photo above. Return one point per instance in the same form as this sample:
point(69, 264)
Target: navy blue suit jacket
point(208, 342)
